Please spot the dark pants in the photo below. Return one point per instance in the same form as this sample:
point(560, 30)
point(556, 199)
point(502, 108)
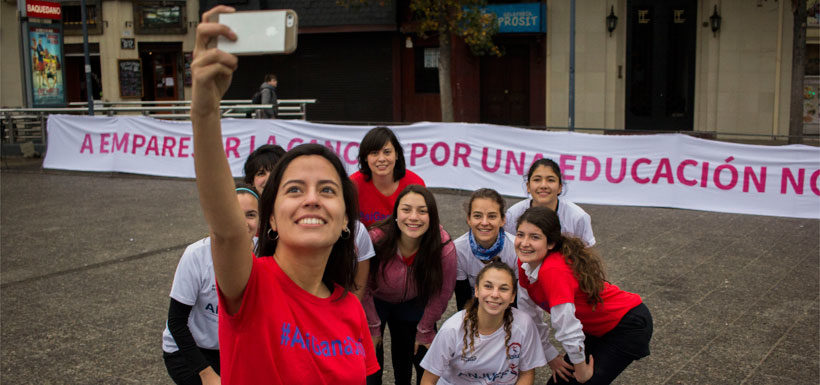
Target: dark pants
point(402, 320)
point(615, 350)
point(179, 370)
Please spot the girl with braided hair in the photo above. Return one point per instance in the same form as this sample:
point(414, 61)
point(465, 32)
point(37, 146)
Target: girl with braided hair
point(601, 327)
point(489, 342)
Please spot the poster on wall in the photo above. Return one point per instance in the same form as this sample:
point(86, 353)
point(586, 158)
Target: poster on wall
point(45, 43)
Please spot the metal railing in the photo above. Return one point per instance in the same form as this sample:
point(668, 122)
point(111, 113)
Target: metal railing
point(286, 108)
point(21, 125)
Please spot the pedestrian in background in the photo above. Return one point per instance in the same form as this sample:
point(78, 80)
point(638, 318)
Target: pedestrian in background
point(268, 92)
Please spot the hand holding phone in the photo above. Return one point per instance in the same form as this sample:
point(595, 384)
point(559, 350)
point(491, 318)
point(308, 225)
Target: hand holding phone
point(259, 32)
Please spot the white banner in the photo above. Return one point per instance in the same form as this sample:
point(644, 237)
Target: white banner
point(667, 170)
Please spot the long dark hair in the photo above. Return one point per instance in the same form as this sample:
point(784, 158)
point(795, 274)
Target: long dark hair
point(426, 268)
point(586, 264)
point(374, 140)
point(470, 323)
point(341, 265)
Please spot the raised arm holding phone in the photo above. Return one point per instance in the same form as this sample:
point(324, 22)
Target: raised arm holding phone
point(286, 317)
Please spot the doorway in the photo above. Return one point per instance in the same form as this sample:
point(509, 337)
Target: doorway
point(161, 75)
point(505, 87)
point(660, 64)
point(75, 72)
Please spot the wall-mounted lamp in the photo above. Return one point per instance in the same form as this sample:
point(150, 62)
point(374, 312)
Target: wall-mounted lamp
point(611, 20)
point(408, 42)
point(714, 21)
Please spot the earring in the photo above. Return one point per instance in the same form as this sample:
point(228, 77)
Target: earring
point(272, 238)
point(345, 233)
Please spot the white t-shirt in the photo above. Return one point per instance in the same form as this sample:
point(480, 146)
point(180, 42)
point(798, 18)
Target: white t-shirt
point(364, 246)
point(488, 363)
point(195, 285)
point(469, 265)
point(574, 220)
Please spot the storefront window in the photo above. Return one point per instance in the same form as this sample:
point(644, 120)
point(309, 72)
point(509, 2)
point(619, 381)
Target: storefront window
point(159, 17)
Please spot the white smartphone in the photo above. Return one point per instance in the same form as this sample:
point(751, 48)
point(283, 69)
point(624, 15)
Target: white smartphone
point(259, 32)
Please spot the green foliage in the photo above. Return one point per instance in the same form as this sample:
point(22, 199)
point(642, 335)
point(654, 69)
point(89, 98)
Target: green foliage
point(463, 18)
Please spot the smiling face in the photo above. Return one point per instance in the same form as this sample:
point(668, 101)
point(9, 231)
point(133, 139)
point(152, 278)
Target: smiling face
point(531, 245)
point(250, 210)
point(412, 216)
point(485, 220)
point(309, 210)
point(495, 291)
point(544, 186)
point(381, 162)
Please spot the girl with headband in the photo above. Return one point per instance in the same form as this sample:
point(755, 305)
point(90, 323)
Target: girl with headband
point(190, 342)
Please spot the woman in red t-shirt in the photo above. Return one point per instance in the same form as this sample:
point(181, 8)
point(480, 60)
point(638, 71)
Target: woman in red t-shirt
point(286, 317)
point(382, 175)
point(592, 318)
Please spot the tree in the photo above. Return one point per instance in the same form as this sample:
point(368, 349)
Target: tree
point(445, 19)
point(798, 71)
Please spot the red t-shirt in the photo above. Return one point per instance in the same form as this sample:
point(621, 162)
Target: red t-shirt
point(557, 284)
point(373, 205)
point(284, 335)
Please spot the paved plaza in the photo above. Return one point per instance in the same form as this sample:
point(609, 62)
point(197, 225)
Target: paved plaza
point(87, 260)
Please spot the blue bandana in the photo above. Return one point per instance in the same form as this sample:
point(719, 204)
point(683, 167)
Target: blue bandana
point(486, 254)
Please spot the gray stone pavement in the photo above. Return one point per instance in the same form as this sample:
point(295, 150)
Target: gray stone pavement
point(87, 259)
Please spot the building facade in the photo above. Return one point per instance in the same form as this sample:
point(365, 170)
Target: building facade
point(662, 67)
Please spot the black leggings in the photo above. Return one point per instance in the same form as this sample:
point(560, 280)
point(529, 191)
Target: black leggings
point(615, 350)
point(181, 372)
point(402, 320)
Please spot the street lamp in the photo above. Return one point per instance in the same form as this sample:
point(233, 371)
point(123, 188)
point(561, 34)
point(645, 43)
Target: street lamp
point(611, 20)
point(714, 21)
